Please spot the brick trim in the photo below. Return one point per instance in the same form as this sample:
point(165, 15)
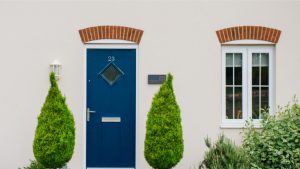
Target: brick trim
point(111, 32)
point(248, 32)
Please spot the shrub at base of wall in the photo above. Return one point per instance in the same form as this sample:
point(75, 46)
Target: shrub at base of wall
point(164, 141)
point(277, 143)
point(36, 165)
point(55, 133)
point(224, 154)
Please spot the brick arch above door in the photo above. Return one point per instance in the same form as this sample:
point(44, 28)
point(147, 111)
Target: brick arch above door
point(248, 33)
point(111, 32)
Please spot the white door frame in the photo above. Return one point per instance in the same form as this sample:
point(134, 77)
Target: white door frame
point(109, 44)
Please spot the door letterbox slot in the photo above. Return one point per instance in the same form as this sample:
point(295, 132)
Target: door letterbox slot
point(111, 119)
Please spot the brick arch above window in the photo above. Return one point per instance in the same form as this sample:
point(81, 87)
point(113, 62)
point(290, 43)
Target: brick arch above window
point(248, 33)
point(110, 32)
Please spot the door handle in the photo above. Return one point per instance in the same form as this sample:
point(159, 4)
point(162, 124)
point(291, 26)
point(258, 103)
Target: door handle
point(88, 113)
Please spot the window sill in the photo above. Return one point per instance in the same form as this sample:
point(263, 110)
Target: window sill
point(256, 124)
point(232, 126)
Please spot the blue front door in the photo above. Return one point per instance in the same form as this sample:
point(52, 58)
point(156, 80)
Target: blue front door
point(111, 109)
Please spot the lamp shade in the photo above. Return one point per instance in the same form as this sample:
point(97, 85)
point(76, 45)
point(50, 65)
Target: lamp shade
point(55, 67)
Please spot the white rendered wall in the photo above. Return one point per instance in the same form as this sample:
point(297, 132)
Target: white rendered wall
point(179, 37)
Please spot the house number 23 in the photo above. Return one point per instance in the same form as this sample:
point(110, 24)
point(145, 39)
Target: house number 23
point(111, 59)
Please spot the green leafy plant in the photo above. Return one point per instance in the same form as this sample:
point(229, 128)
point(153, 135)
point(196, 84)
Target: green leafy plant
point(224, 154)
point(55, 133)
point(277, 143)
point(164, 141)
point(34, 165)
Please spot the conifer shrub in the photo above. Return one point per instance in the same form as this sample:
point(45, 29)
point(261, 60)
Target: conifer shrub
point(164, 140)
point(224, 154)
point(277, 143)
point(55, 133)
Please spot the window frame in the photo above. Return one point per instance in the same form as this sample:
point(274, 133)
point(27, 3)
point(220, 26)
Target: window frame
point(247, 51)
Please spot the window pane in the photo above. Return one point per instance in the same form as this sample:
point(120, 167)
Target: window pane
point(255, 75)
point(264, 98)
point(265, 59)
point(229, 102)
point(237, 59)
point(238, 102)
point(238, 75)
point(229, 76)
point(111, 73)
point(265, 75)
point(255, 59)
point(255, 103)
point(229, 59)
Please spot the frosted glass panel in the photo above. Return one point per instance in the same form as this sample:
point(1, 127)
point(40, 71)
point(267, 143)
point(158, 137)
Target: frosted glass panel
point(264, 75)
point(111, 73)
point(265, 98)
point(264, 59)
point(229, 75)
point(238, 75)
point(238, 102)
point(229, 59)
point(237, 59)
point(255, 75)
point(255, 59)
point(229, 102)
point(255, 103)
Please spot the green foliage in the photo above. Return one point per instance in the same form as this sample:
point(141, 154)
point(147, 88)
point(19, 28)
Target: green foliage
point(224, 154)
point(164, 142)
point(55, 133)
point(34, 165)
point(277, 144)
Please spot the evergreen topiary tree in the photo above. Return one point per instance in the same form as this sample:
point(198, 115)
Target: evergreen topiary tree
point(164, 142)
point(55, 133)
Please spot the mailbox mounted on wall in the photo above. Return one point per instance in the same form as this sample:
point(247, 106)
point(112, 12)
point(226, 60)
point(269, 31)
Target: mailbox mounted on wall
point(156, 79)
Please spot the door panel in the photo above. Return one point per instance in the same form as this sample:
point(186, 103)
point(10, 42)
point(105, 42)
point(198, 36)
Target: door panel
point(111, 87)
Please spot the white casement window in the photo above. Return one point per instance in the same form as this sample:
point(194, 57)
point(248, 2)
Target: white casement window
point(247, 84)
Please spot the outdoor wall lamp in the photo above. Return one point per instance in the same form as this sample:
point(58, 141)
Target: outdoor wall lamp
point(55, 67)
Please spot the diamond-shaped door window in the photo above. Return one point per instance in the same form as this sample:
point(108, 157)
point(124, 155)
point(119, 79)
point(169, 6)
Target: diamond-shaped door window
point(111, 73)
